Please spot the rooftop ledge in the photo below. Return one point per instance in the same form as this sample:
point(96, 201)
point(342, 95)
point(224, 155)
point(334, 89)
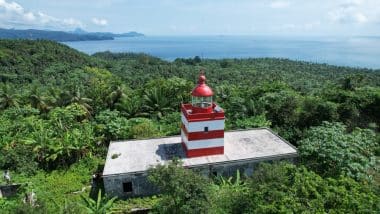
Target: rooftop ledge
point(137, 156)
point(215, 115)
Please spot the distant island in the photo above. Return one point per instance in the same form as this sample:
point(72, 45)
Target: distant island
point(62, 36)
point(80, 31)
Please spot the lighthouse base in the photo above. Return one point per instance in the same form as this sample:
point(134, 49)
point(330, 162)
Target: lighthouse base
point(128, 162)
point(202, 152)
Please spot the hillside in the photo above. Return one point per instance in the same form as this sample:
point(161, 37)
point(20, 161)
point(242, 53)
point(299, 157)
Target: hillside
point(108, 34)
point(60, 108)
point(50, 35)
point(27, 61)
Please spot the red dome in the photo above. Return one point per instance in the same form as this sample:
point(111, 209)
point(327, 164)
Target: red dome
point(202, 90)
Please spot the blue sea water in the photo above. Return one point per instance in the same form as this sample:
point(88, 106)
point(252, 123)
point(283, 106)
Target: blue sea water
point(349, 51)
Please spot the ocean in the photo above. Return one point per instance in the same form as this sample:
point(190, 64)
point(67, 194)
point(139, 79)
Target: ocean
point(349, 51)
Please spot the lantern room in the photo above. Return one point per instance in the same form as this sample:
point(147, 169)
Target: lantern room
point(202, 96)
point(202, 129)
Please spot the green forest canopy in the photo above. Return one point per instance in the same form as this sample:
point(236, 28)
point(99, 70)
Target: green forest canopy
point(60, 108)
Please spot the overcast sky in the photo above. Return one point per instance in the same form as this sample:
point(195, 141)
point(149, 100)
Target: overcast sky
point(198, 17)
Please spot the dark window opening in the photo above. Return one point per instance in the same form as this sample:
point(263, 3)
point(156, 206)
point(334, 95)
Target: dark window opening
point(214, 173)
point(206, 129)
point(127, 187)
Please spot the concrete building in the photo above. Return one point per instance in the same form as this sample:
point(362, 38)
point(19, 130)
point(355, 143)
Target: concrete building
point(202, 146)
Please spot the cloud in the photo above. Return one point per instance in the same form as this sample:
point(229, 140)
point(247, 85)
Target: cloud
point(303, 27)
point(100, 21)
point(348, 13)
point(13, 14)
point(278, 4)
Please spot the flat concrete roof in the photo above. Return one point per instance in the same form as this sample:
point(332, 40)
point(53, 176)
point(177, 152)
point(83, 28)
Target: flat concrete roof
point(139, 155)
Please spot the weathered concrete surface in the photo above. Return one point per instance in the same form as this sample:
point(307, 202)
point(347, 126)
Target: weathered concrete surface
point(128, 161)
point(140, 155)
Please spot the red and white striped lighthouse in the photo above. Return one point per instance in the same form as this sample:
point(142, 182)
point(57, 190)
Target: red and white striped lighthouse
point(202, 129)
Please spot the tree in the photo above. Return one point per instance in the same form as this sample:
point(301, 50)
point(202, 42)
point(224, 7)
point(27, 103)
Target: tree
point(100, 206)
point(281, 107)
point(84, 102)
point(197, 60)
point(315, 110)
point(183, 190)
point(112, 126)
point(8, 98)
point(129, 106)
point(286, 188)
point(37, 101)
point(115, 96)
point(156, 102)
point(331, 151)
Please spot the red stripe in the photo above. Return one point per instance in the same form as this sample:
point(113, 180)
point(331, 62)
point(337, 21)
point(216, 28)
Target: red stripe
point(203, 152)
point(203, 135)
point(201, 116)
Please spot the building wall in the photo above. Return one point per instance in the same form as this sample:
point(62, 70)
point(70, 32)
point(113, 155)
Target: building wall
point(142, 187)
point(113, 185)
point(200, 144)
point(199, 126)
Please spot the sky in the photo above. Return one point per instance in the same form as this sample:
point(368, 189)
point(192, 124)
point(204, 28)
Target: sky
point(198, 17)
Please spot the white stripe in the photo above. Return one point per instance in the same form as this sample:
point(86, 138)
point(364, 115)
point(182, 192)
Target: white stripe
point(202, 144)
point(184, 121)
point(200, 126)
point(183, 136)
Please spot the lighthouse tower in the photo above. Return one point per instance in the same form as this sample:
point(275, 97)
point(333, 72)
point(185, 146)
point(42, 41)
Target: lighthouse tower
point(202, 129)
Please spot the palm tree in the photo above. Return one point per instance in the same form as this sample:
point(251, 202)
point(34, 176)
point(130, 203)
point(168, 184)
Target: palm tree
point(83, 102)
point(156, 102)
point(129, 106)
point(115, 96)
point(100, 206)
point(37, 101)
point(7, 97)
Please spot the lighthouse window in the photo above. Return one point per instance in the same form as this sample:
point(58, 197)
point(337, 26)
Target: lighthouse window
point(206, 129)
point(202, 102)
point(127, 187)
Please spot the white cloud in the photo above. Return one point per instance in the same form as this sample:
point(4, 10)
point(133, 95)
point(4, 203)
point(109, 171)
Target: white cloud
point(278, 4)
point(13, 15)
point(347, 13)
point(100, 21)
point(72, 22)
point(301, 27)
point(11, 7)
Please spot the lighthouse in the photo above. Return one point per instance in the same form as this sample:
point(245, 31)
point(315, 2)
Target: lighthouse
point(202, 146)
point(202, 129)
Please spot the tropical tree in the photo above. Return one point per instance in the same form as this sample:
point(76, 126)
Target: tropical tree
point(8, 98)
point(100, 206)
point(84, 102)
point(183, 190)
point(331, 151)
point(225, 193)
point(156, 102)
point(38, 101)
point(286, 188)
point(115, 96)
point(130, 106)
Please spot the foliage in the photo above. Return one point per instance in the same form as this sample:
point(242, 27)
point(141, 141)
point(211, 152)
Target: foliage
point(331, 151)
point(226, 192)
point(123, 206)
point(60, 108)
point(284, 188)
point(143, 128)
point(100, 206)
point(183, 190)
